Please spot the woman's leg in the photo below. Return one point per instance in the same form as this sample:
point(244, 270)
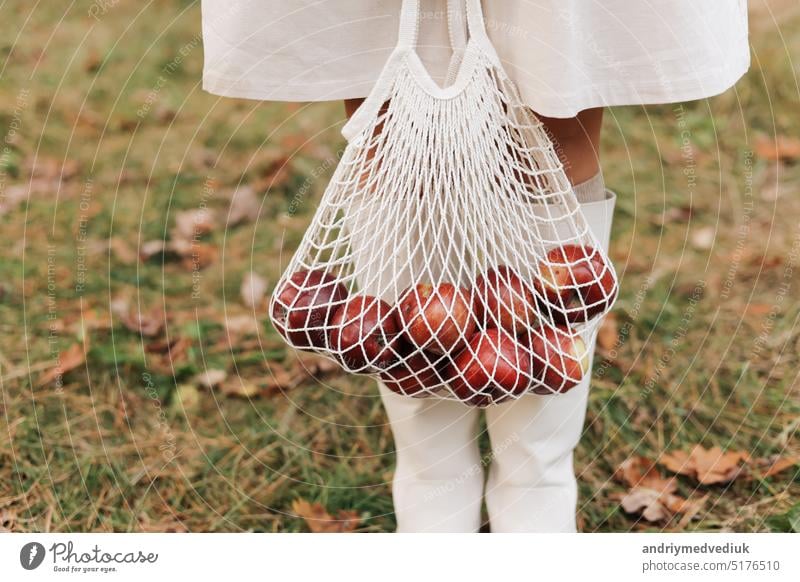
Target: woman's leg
point(532, 485)
point(350, 106)
point(577, 143)
point(438, 480)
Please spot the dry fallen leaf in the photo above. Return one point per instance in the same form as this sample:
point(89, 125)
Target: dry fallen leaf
point(253, 289)
point(758, 309)
point(245, 206)
point(147, 324)
point(320, 521)
point(707, 466)
point(242, 325)
point(657, 505)
point(608, 332)
point(166, 354)
point(196, 256)
point(647, 502)
point(164, 114)
point(279, 378)
point(316, 366)
point(293, 373)
point(774, 465)
point(274, 173)
point(650, 494)
point(193, 255)
point(191, 224)
point(641, 471)
point(240, 388)
point(211, 378)
point(68, 360)
point(777, 148)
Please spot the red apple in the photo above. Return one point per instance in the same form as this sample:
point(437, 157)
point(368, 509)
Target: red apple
point(304, 304)
point(576, 283)
point(490, 369)
point(560, 359)
point(364, 332)
point(412, 376)
point(507, 300)
point(600, 295)
point(438, 319)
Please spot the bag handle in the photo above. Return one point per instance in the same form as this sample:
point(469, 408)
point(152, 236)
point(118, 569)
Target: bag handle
point(406, 42)
point(476, 27)
point(458, 38)
point(476, 22)
point(409, 24)
point(455, 25)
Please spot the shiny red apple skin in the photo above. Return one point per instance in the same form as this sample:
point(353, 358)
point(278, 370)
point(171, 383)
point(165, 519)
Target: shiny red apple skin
point(492, 368)
point(364, 333)
point(307, 299)
point(508, 301)
point(576, 284)
point(560, 359)
point(603, 292)
point(412, 376)
point(438, 319)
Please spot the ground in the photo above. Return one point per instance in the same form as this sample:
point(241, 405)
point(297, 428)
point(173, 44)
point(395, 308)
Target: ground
point(195, 416)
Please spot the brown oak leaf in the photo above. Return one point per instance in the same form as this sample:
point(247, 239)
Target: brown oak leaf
point(650, 494)
point(642, 472)
point(647, 502)
point(707, 466)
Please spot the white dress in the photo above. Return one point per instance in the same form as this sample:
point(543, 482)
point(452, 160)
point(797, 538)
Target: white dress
point(564, 55)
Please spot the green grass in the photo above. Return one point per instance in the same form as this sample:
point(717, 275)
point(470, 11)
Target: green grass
point(91, 456)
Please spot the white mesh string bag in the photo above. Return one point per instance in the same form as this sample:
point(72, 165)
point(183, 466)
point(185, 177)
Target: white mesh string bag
point(448, 256)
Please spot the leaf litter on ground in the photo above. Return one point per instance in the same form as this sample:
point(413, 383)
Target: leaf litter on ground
point(650, 494)
point(320, 521)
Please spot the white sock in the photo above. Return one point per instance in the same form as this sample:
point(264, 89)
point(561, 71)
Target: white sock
point(591, 190)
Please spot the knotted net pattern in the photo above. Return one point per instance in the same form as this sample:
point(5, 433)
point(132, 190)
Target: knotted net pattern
point(449, 256)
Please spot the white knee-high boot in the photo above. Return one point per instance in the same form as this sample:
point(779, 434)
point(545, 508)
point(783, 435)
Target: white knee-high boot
point(438, 481)
point(532, 486)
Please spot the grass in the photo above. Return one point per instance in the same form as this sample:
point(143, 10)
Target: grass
point(112, 147)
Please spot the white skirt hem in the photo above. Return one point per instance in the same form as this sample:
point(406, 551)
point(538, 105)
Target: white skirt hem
point(700, 85)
